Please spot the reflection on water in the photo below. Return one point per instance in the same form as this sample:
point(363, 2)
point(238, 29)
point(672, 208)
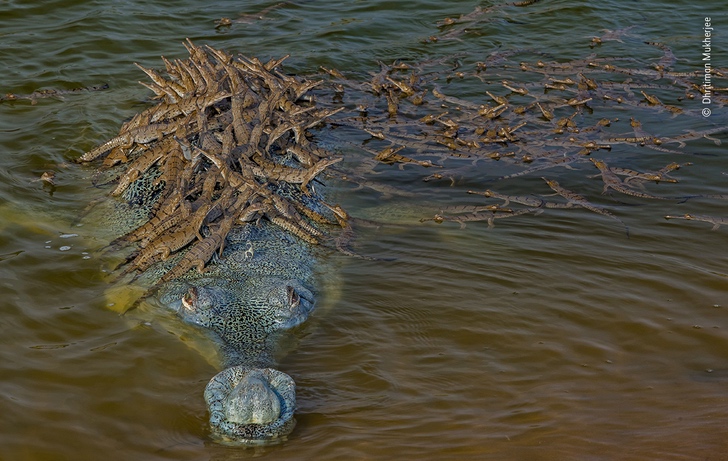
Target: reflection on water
point(547, 337)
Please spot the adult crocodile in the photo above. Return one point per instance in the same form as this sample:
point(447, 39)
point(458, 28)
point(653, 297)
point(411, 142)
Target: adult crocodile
point(260, 286)
point(214, 191)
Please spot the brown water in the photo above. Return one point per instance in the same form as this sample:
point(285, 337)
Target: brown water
point(547, 337)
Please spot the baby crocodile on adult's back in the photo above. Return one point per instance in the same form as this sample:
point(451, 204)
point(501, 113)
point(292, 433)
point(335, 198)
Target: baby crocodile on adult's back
point(228, 222)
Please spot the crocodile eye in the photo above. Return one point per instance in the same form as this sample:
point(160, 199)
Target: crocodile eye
point(293, 298)
point(190, 298)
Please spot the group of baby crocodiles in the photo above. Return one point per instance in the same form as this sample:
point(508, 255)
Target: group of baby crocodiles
point(531, 118)
point(222, 168)
point(220, 186)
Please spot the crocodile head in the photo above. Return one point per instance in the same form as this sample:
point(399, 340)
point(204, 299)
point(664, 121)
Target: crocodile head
point(249, 402)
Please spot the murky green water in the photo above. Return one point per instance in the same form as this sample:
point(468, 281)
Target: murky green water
point(546, 337)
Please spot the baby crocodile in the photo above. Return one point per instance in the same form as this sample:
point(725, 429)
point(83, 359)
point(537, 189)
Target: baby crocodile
point(612, 181)
point(489, 216)
point(579, 200)
point(528, 200)
point(715, 221)
point(50, 93)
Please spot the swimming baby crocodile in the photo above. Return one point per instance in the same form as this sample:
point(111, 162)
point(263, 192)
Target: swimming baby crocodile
point(217, 202)
point(716, 221)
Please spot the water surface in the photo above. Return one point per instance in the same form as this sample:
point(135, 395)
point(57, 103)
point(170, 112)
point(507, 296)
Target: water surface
point(547, 337)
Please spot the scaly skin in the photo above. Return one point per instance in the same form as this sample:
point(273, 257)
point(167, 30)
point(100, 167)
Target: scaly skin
point(225, 224)
point(259, 289)
point(232, 393)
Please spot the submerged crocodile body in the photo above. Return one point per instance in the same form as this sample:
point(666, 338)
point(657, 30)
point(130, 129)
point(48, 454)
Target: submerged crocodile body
point(216, 199)
point(261, 286)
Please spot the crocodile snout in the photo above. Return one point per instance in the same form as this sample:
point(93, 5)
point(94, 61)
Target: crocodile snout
point(251, 406)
